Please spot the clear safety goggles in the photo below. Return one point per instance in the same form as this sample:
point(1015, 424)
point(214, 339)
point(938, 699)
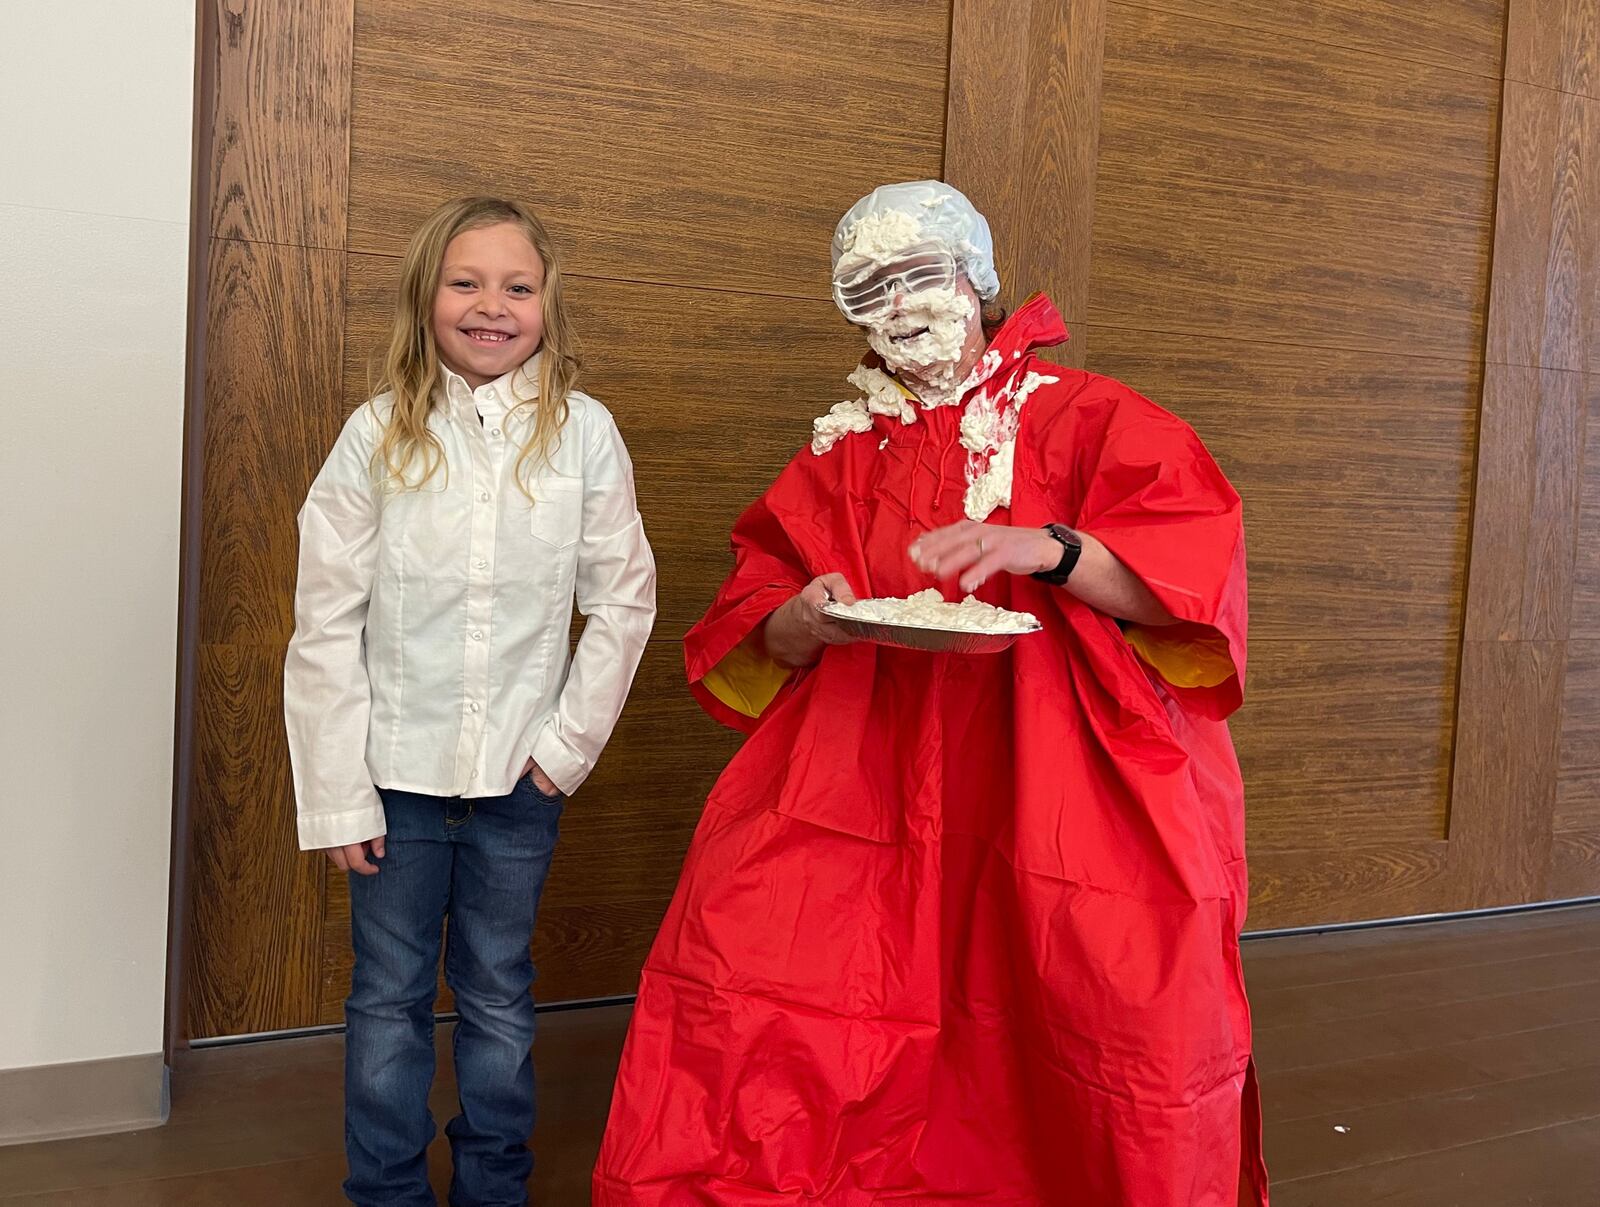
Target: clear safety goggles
point(870, 291)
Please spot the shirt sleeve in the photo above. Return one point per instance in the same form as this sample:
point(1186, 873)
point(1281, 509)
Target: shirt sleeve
point(616, 592)
point(327, 699)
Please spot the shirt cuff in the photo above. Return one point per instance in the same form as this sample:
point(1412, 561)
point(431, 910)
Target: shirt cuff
point(345, 828)
point(556, 759)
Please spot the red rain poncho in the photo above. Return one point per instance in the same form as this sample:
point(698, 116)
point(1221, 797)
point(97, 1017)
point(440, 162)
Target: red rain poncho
point(963, 929)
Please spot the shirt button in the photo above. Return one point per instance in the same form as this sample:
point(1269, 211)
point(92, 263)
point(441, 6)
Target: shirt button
point(483, 496)
point(473, 776)
point(482, 563)
point(494, 431)
point(476, 635)
point(490, 394)
point(474, 706)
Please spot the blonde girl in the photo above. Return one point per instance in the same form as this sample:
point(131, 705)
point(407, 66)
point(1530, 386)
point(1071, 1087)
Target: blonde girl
point(436, 719)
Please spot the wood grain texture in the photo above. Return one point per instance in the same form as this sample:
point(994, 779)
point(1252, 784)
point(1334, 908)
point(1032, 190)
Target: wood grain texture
point(1281, 1043)
point(623, 839)
point(262, 1124)
point(1533, 1168)
point(1463, 34)
point(1448, 1097)
point(1439, 988)
point(1389, 1132)
point(1355, 468)
point(1543, 306)
point(1345, 744)
point(1327, 958)
point(662, 158)
point(280, 151)
point(1577, 804)
point(255, 900)
point(272, 412)
point(1022, 136)
point(1574, 864)
point(1255, 185)
point(1449, 1068)
point(1523, 766)
point(1504, 781)
point(1554, 44)
point(1585, 617)
point(1525, 535)
point(1346, 884)
point(279, 78)
point(714, 392)
point(699, 145)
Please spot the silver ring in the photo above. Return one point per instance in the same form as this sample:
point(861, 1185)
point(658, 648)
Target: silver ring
point(981, 549)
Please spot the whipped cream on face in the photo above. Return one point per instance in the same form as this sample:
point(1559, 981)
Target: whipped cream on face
point(929, 610)
point(923, 340)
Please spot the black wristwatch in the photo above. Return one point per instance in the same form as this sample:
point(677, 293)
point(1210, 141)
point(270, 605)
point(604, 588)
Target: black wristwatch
point(1071, 550)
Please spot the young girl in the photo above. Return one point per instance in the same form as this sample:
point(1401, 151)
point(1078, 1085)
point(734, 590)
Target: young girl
point(436, 721)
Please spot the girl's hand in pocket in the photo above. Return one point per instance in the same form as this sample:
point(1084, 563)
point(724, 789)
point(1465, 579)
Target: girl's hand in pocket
point(353, 858)
point(541, 781)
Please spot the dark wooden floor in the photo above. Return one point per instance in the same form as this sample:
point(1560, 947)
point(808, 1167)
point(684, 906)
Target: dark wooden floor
point(1446, 1065)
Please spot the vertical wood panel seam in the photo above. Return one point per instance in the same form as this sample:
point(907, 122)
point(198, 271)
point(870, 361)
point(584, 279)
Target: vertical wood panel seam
point(319, 936)
point(1477, 447)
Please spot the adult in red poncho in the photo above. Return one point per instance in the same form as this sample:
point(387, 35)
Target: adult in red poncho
point(961, 929)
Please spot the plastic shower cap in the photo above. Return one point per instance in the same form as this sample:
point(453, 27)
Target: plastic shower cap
point(894, 217)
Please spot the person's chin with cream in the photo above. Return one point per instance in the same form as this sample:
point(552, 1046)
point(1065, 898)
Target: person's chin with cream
point(931, 339)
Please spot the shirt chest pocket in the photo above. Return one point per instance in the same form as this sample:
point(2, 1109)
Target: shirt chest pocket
point(556, 514)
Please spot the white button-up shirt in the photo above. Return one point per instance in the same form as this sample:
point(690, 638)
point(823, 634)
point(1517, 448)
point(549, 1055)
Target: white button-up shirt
point(432, 626)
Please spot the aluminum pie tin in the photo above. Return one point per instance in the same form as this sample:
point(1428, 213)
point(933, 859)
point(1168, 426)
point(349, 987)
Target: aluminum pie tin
point(921, 637)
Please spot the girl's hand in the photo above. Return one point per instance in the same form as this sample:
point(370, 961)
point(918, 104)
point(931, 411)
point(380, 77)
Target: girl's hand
point(977, 552)
point(541, 781)
point(796, 634)
point(353, 858)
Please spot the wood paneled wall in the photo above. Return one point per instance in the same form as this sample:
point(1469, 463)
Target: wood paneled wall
point(1353, 244)
point(1293, 228)
point(692, 192)
point(1544, 353)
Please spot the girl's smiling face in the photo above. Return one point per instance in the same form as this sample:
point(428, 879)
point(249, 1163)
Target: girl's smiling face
point(488, 311)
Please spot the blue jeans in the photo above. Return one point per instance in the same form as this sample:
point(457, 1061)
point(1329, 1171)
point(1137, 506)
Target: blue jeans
point(481, 864)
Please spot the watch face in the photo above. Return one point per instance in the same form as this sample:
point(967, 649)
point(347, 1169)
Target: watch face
point(1071, 547)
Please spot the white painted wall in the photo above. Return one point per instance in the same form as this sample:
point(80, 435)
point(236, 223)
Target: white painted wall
point(96, 105)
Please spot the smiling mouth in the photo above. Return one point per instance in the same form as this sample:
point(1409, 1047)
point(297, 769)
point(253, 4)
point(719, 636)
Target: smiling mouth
point(909, 335)
point(483, 336)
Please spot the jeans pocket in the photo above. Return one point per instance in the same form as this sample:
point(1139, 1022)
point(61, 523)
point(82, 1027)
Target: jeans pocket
point(538, 794)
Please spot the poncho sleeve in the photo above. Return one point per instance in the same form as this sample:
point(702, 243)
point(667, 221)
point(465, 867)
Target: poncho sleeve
point(1155, 497)
point(733, 680)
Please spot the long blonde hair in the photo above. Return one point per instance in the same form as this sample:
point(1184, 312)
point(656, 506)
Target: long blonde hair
point(412, 370)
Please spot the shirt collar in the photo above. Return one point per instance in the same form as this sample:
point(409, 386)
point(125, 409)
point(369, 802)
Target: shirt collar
point(497, 398)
